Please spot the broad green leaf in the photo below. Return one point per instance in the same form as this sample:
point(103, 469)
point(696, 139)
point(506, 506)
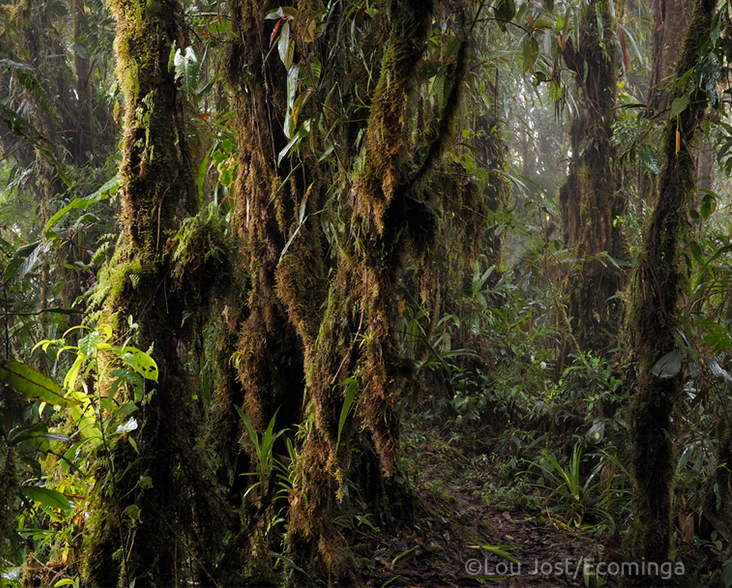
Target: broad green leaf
point(88, 344)
point(52, 498)
point(290, 121)
point(141, 362)
point(718, 371)
point(124, 411)
point(727, 573)
point(19, 257)
point(32, 383)
point(679, 105)
point(187, 68)
point(73, 373)
point(283, 46)
point(132, 511)
point(30, 261)
point(650, 160)
point(555, 91)
point(708, 205)
point(299, 103)
point(669, 365)
point(39, 431)
point(438, 87)
point(10, 64)
point(88, 427)
point(696, 251)
point(310, 30)
point(505, 9)
point(132, 378)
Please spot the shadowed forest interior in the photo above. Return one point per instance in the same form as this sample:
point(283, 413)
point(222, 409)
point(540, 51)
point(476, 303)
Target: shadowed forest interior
point(365, 293)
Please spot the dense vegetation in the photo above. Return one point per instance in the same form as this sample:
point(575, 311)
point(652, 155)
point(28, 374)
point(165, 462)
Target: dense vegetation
point(347, 293)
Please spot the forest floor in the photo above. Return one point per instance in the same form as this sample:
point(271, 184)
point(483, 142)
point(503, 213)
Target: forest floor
point(468, 531)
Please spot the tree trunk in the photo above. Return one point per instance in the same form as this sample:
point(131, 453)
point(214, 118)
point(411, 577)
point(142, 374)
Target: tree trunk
point(657, 292)
point(590, 200)
point(670, 19)
point(177, 527)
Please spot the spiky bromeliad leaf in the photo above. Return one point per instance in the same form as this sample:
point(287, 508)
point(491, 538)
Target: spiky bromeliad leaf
point(33, 384)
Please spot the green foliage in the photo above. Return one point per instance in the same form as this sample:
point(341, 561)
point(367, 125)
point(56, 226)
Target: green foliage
point(33, 384)
point(266, 464)
point(597, 501)
point(93, 425)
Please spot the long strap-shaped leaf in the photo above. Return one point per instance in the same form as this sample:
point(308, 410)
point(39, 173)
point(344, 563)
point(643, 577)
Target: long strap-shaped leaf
point(32, 383)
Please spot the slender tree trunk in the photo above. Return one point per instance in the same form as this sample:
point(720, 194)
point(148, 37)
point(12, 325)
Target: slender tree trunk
point(658, 289)
point(670, 19)
point(83, 137)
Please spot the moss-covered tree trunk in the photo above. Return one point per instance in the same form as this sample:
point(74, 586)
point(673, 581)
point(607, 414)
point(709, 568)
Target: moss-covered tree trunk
point(270, 357)
point(657, 292)
point(670, 19)
point(589, 199)
point(325, 309)
point(164, 481)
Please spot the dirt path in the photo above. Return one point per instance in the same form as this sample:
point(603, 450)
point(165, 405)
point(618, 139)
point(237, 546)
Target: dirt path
point(461, 539)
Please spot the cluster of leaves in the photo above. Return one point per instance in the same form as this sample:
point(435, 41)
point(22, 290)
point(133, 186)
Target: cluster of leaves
point(57, 481)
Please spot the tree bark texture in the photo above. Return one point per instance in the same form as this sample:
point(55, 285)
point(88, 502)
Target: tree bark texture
point(179, 514)
point(323, 309)
point(590, 200)
point(658, 288)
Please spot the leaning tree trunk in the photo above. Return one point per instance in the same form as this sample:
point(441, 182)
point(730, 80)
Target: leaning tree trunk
point(590, 200)
point(659, 285)
point(156, 184)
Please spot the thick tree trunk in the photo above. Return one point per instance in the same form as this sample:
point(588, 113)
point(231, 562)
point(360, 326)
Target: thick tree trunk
point(590, 200)
point(657, 292)
point(324, 311)
point(178, 520)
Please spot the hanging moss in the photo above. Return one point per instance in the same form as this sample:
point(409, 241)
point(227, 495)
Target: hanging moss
point(394, 214)
point(322, 311)
point(269, 356)
point(385, 154)
point(658, 288)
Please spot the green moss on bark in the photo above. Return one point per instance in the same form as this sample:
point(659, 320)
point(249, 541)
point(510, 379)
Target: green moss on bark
point(181, 518)
point(590, 199)
point(658, 289)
